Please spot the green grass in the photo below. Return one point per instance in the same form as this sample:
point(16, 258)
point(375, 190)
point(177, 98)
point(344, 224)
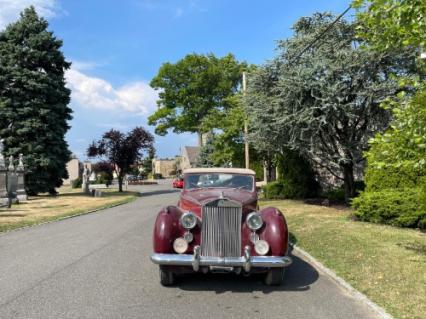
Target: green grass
point(69, 202)
point(387, 264)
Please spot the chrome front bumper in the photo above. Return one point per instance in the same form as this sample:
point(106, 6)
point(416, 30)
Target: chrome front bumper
point(246, 261)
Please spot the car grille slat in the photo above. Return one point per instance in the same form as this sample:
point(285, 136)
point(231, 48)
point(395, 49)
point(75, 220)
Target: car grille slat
point(221, 231)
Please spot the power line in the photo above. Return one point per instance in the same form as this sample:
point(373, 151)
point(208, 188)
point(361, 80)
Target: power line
point(320, 35)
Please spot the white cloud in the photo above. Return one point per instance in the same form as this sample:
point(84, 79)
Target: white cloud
point(92, 92)
point(10, 9)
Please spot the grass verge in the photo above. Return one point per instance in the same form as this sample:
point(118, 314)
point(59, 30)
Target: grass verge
point(387, 264)
point(69, 202)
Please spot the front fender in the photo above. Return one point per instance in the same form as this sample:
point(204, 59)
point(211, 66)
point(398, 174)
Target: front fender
point(274, 231)
point(166, 229)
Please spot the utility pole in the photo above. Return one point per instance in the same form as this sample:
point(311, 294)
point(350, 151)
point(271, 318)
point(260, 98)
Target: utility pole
point(246, 146)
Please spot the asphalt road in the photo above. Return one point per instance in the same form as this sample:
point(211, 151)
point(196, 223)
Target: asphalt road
point(97, 266)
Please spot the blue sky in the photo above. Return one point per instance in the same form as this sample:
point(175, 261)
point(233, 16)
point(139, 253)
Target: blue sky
point(117, 46)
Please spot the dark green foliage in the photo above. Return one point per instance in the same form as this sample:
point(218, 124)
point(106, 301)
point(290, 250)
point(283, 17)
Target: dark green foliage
point(298, 172)
point(325, 105)
point(297, 179)
point(337, 194)
point(33, 101)
point(205, 157)
point(274, 190)
point(104, 172)
point(77, 182)
point(399, 207)
point(396, 171)
point(147, 163)
point(104, 178)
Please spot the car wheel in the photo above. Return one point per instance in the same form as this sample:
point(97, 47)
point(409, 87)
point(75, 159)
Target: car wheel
point(275, 277)
point(167, 278)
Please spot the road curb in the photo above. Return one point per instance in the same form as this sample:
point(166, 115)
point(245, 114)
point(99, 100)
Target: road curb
point(68, 217)
point(382, 313)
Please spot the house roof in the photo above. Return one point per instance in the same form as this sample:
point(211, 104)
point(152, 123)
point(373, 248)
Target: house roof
point(192, 153)
point(219, 170)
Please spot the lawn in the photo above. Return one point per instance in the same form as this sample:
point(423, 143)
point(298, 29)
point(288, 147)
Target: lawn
point(69, 202)
point(387, 264)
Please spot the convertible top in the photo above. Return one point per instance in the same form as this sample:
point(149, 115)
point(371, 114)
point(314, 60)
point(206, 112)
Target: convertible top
point(224, 170)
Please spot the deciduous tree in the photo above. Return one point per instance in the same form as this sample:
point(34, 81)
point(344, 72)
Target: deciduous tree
point(193, 88)
point(122, 150)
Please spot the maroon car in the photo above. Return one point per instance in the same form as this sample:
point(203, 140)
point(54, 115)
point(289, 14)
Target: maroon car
point(217, 226)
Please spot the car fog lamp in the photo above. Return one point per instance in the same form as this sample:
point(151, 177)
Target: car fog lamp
point(188, 237)
point(188, 220)
point(254, 221)
point(180, 245)
point(261, 247)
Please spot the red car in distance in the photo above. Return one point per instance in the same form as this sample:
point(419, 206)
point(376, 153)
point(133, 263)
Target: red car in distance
point(178, 182)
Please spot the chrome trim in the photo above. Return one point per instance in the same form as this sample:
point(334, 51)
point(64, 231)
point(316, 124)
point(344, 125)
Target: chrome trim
point(196, 261)
point(221, 229)
point(196, 258)
point(247, 264)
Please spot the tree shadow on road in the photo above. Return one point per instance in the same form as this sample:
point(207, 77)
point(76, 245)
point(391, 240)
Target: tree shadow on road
point(298, 277)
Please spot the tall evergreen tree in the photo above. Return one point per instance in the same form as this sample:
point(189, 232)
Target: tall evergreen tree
point(34, 99)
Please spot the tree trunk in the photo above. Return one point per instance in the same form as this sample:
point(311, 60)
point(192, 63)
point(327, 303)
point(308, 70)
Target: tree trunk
point(120, 183)
point(349, 182)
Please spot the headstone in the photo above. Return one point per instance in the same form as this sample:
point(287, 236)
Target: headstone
point(85, 181)
point(20, 173)
point(4, 198)
point(12, 181)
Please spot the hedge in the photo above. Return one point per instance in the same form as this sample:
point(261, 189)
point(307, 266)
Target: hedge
point(397, 207)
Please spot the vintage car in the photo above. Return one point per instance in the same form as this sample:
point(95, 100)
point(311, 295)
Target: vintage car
point(218, 227)
point(178, 182)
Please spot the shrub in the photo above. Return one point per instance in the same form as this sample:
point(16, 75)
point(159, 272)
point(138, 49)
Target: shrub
point(338, 193)
point(297, 179)
point(76, 183)
point(396, 171)
point(285, 189)
point(104, 178)
point(398, 207)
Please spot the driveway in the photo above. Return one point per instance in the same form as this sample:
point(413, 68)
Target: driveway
point(97, 266)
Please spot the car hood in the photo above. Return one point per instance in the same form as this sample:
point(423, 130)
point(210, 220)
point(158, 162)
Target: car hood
point(202, 196)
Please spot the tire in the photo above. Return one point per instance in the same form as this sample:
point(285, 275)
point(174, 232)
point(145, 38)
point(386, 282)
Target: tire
point(275, 277)
point(167, 278)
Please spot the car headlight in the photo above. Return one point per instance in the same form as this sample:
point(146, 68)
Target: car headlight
point(180, 245)
point(188, 220)
point(261, 247)
point(254, 221)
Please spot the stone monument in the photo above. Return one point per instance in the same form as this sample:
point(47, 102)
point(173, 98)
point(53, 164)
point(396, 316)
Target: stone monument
point(12, 181)
point(4, 198)
point(85, 181)
point(21, 194)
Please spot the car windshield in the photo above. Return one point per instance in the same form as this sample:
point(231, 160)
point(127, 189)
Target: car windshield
point(213, 180)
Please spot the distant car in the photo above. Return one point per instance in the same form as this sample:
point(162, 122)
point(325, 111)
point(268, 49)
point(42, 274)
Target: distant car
point(178, 182)
point(218, 227)
point(132, 178)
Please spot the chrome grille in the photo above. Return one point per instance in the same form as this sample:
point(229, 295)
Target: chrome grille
point(221, 229)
